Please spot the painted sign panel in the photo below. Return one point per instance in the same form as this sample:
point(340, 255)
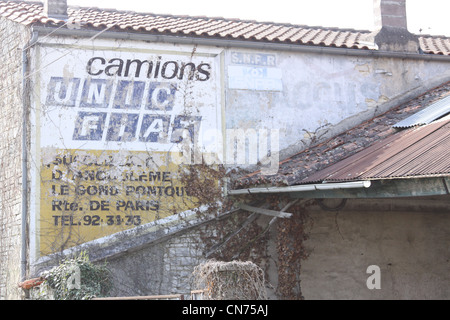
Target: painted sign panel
point(110, 135)
point(256, 59)
point(255, 78)
point(254, 71)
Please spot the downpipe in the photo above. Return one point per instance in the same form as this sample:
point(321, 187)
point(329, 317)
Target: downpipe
point(25, 99)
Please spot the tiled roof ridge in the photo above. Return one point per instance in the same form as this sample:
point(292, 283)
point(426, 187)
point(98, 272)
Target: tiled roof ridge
point(31, 12)
point(210, 18)
point(75, 8)
point(433, 36)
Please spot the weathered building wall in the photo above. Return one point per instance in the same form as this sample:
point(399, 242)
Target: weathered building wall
point(313, 96)
point(107, 125)
point(406, 238)
point(306, 96)
point(409, 245)
point(13, 38)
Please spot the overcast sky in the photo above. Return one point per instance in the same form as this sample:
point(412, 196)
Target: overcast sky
point(424, 16)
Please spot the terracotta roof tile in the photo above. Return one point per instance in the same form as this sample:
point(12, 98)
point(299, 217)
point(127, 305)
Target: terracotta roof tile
point(276, 32)
point(287, 35)
point(28, 13)
point(435, 45)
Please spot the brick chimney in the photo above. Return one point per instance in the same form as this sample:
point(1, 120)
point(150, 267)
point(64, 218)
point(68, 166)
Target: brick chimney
point(391, 32)
point(56, 9)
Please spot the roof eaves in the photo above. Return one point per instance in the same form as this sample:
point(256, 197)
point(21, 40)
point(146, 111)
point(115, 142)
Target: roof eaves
point(218, 28)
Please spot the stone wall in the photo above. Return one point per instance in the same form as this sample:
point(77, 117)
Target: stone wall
point(13, 38)
point(160, 269)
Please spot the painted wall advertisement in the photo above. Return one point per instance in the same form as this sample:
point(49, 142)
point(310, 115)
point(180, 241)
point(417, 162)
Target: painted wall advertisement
point(109, 130)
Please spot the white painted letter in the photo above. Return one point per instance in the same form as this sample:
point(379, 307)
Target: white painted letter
point(374, 281)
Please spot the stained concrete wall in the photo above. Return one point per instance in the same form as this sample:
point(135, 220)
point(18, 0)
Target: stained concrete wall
point(317, 96)
point(409, 246)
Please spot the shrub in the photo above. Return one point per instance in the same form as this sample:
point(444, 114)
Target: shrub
point(76, 279)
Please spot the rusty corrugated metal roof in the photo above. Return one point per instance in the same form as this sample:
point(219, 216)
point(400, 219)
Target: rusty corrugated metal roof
point(29, 13)
point(417, 152)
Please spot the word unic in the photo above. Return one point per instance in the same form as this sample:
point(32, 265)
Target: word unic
point(126, 122)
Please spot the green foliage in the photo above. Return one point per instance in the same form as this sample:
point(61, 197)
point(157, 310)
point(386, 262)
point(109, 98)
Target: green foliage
point(76, 279)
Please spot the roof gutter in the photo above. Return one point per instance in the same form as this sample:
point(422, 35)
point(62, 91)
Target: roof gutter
point(226, 43)
point(303, 188)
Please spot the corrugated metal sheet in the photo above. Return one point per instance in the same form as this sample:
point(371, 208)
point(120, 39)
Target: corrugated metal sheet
point(427, 115)
point(416, 152)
